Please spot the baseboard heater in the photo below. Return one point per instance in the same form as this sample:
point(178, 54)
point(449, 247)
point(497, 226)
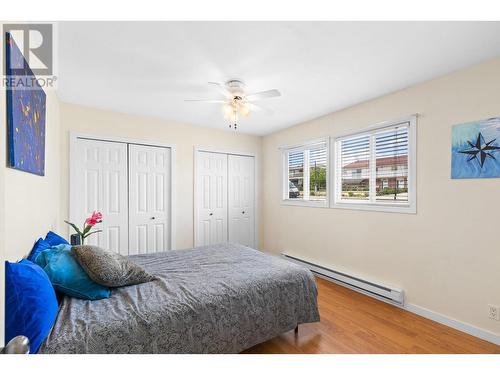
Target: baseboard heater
point(381, 292)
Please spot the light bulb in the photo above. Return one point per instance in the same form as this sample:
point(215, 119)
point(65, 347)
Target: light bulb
point(244, 110)
point(227, 110)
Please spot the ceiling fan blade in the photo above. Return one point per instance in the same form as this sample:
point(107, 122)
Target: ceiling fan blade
point(206, 100)
point(221, 89)
point(263, 95)
point(258, 108)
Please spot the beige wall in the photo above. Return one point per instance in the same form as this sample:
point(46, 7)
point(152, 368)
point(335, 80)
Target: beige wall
point(447, 256)
point(185, 137)
point(29, 204)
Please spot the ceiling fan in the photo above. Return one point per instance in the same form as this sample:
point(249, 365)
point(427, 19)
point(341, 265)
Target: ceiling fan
point(236, 101)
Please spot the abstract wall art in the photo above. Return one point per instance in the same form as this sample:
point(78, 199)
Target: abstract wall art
point(475, 149)
point(26, 108)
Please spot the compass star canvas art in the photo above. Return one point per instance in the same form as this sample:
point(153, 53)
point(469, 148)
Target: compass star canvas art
point(475, 149)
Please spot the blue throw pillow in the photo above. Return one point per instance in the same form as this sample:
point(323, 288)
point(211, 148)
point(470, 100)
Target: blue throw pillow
point(39, 246)
point(30, 303)
point(54, 239)
point(67, 276)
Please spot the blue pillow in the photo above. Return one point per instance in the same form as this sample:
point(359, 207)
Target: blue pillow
point(67, 276)
point(39, 246)
point(54, 239)
point(30, 303)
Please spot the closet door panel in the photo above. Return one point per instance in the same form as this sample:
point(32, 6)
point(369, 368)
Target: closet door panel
point(241, 175)
point(149, 204)
point(211, 198)
point(160, 206)
point(100, 183)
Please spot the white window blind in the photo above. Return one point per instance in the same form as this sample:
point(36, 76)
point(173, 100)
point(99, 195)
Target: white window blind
point(391, 158)
point(354, 168)
point(306, 173)
point(373, 168)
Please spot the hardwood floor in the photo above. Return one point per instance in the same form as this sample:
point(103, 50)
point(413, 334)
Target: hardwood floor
point(354, 323)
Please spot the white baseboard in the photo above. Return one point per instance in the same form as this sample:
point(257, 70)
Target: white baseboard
point(450, 322)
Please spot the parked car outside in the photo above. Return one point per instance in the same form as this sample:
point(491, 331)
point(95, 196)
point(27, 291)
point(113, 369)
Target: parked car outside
point(293, 191)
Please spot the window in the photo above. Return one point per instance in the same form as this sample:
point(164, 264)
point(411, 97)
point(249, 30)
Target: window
point(305, 180)
point(375, 169)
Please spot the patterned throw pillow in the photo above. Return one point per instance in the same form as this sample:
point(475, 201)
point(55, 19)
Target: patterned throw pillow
point(109, 268)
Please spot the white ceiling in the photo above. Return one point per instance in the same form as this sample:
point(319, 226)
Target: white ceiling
point(149, 68)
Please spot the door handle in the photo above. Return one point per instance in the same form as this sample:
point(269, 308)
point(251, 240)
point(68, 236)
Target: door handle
point(152, 218)
point(211, 213)
point(243, 212)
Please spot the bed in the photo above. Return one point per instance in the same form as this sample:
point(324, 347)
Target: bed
point(215, 299)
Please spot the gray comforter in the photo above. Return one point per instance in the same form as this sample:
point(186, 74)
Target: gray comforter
point(216, 299)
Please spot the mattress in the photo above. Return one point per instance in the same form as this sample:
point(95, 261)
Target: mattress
point(215, 299)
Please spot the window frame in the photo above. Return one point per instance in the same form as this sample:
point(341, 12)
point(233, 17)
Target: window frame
point(409, 207)
point(285, 150)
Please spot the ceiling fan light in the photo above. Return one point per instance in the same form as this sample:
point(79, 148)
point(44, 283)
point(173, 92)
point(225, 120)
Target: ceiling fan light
point(244, 110)
point(237, 102)
point(227, 110)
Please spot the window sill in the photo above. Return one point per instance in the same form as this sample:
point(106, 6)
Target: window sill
point(379, 207)
point(304, 203)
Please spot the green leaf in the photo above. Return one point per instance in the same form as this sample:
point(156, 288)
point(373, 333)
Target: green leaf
point(87, 229)
point(74, 227)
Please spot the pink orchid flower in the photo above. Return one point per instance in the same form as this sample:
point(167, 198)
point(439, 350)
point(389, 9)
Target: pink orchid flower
point(94, 219)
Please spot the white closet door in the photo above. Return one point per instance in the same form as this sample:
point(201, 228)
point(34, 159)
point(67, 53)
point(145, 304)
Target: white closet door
point(211, 199)
point(100, 184)
point(241, 177)
point(149, 203)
